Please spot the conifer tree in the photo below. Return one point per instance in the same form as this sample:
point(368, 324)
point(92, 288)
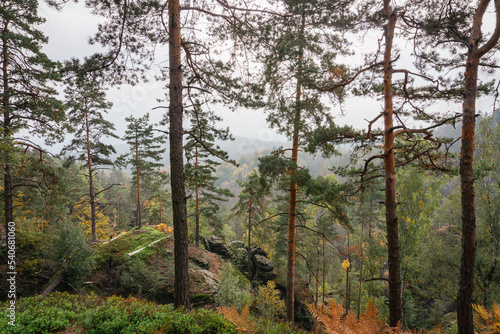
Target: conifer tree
point(252, 204)
point(201, 151)
point(28, 101)
point(86, 104)
point(132, 33)
point(299, 49)
point(145, 154)
point(458, 26)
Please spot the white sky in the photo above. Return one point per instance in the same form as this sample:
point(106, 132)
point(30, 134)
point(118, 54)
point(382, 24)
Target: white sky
point(70, 29)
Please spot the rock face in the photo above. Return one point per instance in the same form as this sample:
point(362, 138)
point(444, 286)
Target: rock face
point(216, 245)
point(262, 263)
point(262, 268)
point(202, 260)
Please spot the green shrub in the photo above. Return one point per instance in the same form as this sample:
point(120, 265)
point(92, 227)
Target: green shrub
point(61, 311)
point(72, 248)
point(234, 288)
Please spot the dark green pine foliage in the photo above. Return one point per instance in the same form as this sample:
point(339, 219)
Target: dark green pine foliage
point(27, 99)
point(132, 33)
point(201, 152)
point(253, 205)
point(145, 153)
point(86, 103)
point(299, 50)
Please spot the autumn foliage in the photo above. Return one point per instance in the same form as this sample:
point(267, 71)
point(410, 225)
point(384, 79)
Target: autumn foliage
point(333, 321)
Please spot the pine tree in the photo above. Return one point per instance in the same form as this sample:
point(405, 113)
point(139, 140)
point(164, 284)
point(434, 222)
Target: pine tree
point(299, 49)
point(86, 104)
point(27, 99)
point(200, 168)
point(252, 204)
point(132, 34)
point(458, 26)
point(145, 154)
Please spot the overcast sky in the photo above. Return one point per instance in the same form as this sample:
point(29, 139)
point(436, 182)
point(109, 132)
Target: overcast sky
point(68, 33)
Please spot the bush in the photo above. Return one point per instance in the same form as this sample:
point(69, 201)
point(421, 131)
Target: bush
point(73, 249)
point(62, 312)
point(268, 301)
point(234, 288)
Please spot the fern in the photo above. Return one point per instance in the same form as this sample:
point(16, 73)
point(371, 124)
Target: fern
point(486, 322)
point(240, 320)
point(332, 321)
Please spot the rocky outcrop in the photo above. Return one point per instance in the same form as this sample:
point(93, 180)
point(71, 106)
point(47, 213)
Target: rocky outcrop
point(262, 263)
point(201, 259)
point(262, 268)
point(216, 245)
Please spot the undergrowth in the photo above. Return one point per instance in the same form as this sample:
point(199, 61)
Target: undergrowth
point(66, 313)
point(333, 320)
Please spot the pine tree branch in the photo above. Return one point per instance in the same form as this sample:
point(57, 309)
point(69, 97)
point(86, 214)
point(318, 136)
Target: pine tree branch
point(496, 33)
point(107, 188)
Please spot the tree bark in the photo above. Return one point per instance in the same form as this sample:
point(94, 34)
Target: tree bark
point(197, 203)
point(7, 132)
point(324, 266)
point(181, 282)
point(474, 54)
point(138, 181)
point(394, 260)
point(159, 201)
point(249, 252)
point(53, 284)
point(292, 211)
point(360, 269)
point(93, 215)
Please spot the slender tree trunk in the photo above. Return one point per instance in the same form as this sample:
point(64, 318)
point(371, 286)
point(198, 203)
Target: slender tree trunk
point(466, 283)
point(474, 54)
point(7, 133)
point(197, 203)
point(395, 302)
point(347, 285)
point(249, 252)
point(292, 211)
point(159, 201)
point(93, 215)
point(181, 282)
point(324, 266)
point(360, 270)
point(317, 272)
point(138, 181)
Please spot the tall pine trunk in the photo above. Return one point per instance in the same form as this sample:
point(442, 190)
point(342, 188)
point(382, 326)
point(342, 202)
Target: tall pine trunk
point(93, 215)
point(159, 201)
point(138, 181)
point(181, 282)
point(292, 210)
point(474, 54)
point(249, 252)
point(197, 202)
point(7, 132)
point(394, 259)
point(360, 288)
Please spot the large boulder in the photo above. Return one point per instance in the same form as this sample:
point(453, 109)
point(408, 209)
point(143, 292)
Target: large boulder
point(201, 259)
point(265, 276)
point(258, 251)
point(217, 246)
point(263, 269)
point(203, 287)
point(262, 263)
point(236, 244)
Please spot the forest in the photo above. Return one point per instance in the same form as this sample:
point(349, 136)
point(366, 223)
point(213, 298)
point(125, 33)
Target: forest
point(378, 212)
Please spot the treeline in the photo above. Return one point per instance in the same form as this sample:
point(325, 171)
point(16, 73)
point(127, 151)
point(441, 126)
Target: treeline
point(299, 61)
